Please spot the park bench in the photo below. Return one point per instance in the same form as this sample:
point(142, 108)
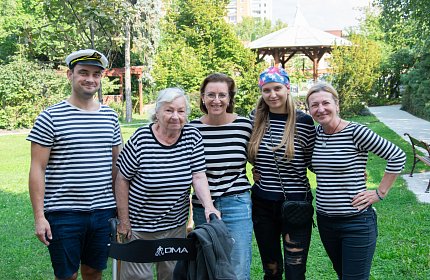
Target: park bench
point(417, 157)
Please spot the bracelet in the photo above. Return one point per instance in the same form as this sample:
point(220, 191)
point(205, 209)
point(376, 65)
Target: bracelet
point(377, 193)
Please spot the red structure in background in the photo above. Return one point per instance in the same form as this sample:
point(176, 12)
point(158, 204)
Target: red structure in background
point(119, 72)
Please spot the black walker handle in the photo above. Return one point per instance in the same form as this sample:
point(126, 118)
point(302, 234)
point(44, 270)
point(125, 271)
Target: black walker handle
point(113, 228)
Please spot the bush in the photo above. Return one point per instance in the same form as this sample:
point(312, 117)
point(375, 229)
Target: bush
point(355, 72)
point(26, 88)
point(416, 98)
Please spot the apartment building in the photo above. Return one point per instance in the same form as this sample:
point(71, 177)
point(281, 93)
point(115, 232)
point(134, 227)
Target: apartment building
point(238, 9)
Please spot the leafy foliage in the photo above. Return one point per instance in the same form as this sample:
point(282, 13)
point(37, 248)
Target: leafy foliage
point(355, 71)
point(252, 28)
point(17, 22)
point(407, 28)
point(197, 41)
point(405, 23)
point(416, 98)
point(388, 86)
point(80, 24)
point(25, 89)
point(146, 36)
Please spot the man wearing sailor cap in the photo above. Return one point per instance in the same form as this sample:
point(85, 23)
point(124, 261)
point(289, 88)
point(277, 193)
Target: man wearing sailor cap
point(74, 147)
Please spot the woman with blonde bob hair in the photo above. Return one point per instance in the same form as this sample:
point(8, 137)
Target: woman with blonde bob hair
point(347, 222)
point(280, 149)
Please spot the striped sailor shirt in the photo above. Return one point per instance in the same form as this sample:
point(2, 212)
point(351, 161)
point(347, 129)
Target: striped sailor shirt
point(339, 161)
point(226, 156)
point(160, 177)
point(78, 175)
point(293, 173)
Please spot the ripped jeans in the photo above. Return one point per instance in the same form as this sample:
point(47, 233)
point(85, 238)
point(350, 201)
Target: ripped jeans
point(268, 229)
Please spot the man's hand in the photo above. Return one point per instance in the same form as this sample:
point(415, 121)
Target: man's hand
point(43, 230)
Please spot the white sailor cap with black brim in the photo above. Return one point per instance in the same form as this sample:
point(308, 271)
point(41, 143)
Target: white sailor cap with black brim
point(86, 57)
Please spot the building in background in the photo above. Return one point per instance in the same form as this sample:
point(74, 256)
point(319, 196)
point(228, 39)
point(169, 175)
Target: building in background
point(261, 9)
point(238, 9)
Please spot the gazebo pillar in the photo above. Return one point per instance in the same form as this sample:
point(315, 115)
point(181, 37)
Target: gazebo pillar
point(140, 95)
point(276, 56)
point(315, 68)
point(121, 82)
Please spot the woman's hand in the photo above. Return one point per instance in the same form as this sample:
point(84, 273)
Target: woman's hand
point(255, 175)
point(210, 210)
point(124, 230)
point(201, 188)
point(365, 199)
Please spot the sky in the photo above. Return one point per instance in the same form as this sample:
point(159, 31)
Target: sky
point(321, 14)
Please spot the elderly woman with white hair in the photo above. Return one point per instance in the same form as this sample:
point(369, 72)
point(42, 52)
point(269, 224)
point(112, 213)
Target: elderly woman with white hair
point(157, 167)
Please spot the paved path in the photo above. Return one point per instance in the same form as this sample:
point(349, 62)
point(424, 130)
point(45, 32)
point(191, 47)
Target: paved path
point(402, 122)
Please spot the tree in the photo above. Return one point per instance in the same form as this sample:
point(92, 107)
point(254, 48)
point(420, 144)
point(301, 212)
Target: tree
point(355, 70)
point(18, 20)
point(80, 24)
point(416, 98)
point(142, 23)
point(407, 25)
point(252, 28)
point(196, 41)
point(25, 88)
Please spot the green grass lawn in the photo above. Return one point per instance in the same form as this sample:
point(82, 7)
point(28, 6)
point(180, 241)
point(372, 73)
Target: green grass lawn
point(403, 249)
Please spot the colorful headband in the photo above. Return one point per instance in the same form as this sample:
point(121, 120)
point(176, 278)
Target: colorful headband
point(274, 74)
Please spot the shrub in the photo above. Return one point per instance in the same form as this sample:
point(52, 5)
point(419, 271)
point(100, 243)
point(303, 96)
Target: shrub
point(416, 98)
point(26, 88)
point(355, 71)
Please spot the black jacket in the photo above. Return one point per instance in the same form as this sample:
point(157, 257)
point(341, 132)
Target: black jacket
point(214, 244)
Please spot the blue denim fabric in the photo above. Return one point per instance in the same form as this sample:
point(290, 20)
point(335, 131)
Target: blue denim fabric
point(350, 243)
point(79, 237)
point(269, 231)
point(236, 214)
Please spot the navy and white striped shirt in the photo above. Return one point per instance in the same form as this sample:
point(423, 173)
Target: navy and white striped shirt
point(294, 172)
point(339, 161)
point(226, 156)
point(78, 176)
point(160, 177)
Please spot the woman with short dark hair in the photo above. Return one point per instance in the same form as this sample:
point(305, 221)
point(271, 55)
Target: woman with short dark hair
point(225, 138)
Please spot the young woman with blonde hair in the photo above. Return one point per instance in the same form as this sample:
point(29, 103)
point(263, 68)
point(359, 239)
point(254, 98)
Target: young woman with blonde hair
point(280, 149)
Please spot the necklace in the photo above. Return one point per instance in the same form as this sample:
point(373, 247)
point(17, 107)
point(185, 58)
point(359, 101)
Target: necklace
point(324, 144)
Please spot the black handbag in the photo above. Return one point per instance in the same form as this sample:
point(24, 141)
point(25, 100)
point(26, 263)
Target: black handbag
point(297, 213)
point(294, 213)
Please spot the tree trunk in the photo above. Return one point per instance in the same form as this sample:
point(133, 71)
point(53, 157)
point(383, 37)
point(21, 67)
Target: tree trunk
point(127, 76)
point(99, 92)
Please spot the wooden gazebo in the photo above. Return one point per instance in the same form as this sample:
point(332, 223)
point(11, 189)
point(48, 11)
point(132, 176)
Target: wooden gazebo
point(283, 44)
point(120, 72)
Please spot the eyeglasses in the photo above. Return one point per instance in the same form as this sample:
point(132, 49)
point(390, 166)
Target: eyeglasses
point(220, 96)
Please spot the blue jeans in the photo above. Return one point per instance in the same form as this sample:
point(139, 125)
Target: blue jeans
point(350, 243)
point(236, 214)
point(269, 229)
point(79, 237)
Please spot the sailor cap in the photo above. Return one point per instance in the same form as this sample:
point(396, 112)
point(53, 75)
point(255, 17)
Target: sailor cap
point(86, 57)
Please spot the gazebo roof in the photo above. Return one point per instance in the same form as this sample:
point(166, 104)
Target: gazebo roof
point(298, 38)
point(300, 34)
